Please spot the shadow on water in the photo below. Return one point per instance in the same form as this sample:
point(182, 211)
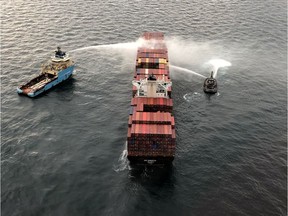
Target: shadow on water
point(148, 188)
point(152, 175)
point(210, 96)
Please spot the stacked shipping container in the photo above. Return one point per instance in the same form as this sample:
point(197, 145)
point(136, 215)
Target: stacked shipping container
point(151, 126)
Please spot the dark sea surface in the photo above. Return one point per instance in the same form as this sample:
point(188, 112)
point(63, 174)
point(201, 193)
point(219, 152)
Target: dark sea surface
point(63, 153)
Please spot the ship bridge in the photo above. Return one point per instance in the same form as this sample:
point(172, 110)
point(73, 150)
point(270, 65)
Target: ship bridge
point(152, 86)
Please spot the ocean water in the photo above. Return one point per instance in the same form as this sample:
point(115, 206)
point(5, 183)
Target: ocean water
point(63, 153)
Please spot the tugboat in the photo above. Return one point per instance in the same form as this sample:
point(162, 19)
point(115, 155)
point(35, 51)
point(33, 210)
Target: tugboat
point(210, 85)
point(55, 71)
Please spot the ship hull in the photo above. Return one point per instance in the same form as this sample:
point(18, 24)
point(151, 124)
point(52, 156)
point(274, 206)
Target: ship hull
point(62, 76)
point(136, 160)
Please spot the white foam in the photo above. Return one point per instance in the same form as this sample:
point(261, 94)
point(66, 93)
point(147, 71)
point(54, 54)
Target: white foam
point(123, 161)
point(193, 96)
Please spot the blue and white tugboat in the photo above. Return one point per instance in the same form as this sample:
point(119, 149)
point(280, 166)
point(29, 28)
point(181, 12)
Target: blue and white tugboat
point(55, 71)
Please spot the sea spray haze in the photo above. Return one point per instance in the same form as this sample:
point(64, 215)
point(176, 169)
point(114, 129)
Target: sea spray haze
point(60, 152)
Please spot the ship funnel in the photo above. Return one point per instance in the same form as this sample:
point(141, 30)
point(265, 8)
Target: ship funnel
point(211, 74)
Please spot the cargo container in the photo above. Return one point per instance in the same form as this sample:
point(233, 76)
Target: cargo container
point(151, 125)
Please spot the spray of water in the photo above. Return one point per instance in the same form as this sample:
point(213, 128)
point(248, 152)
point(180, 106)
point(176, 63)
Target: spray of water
point(218, 63)
point(186, 70)
point(180, 51)
point(131, 45)
point(183, 51)
point(121, 46)
point(123, 161)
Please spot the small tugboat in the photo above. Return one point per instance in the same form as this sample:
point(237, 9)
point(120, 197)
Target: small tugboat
point(55, 71)
point(210, 85)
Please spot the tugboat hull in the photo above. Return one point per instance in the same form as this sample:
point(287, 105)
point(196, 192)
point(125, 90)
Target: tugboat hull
point(210, 86)
point(47, 84)
point(210, 91)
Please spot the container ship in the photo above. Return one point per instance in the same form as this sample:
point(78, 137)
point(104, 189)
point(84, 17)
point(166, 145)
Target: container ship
point(55, 71)
point(151, 136)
